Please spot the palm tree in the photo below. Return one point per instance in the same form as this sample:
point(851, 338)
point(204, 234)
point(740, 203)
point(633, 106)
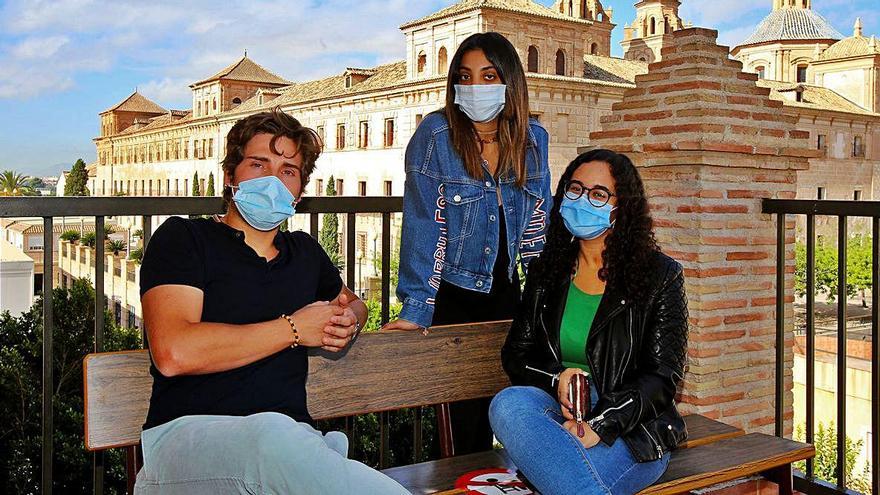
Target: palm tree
point(13, 183)
point(115, 247)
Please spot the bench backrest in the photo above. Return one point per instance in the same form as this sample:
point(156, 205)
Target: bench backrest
point(381, 372)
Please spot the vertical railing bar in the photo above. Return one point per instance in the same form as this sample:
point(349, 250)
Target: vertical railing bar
point(98, 457)
point(147, 222)
point(780, 323)
point(417, 434)
point(875, 358)
point(841, 350)
point(811, 335)
point(383, 440)
point(313, 225)
point(48, 379)
point(386, 267)
point(350, 253)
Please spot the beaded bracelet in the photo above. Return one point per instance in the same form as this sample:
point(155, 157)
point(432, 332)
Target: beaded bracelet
point(289, 319)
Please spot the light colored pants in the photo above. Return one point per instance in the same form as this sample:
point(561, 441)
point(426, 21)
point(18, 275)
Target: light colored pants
point(266, 453)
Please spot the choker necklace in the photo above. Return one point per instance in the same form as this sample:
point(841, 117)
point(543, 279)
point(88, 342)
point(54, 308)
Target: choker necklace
point(486, 141)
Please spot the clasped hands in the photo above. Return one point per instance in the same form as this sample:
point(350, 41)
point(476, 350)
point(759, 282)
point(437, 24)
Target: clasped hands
point(329, 325)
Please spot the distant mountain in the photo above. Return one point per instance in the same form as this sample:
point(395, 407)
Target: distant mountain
point(53, 170)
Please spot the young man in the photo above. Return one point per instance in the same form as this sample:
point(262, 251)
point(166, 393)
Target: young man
point(230, 306)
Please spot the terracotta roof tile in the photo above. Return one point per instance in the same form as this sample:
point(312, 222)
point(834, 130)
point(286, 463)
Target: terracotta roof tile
point(245, 69)
point(518, 6)
point(136, 102)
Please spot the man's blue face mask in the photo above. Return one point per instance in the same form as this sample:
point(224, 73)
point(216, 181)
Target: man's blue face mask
point(264, 202)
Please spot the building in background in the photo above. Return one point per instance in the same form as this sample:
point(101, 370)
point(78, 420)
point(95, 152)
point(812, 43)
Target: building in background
point(16, 279)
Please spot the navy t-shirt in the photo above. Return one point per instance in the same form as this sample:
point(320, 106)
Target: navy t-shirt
point(239, 287)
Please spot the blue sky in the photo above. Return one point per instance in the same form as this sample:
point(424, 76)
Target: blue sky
point(64, 61)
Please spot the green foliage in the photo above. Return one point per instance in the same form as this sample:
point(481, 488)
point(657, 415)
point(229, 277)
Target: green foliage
point(858, 268)
point(374, 314)
point(70, 236)
point(13, 183)
point(20, 393)
point(116, 247)
point(210, 187)
point(89, 239)
point(195, 188)
point(137, 255)
point(77, 180)
point(825, 463)
point(139, 233)
point(329, 236)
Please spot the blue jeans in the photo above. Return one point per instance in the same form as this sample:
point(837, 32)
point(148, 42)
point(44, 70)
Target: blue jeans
point(266, 453)
point(528, 421)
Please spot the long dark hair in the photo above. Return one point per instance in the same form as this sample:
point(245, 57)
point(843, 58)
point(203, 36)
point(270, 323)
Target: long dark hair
point(513, 123)
point(630, 247)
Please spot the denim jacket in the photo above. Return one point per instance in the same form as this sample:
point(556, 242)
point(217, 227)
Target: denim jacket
point(450, 230)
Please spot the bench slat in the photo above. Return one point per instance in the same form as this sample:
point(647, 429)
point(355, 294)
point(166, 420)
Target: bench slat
point(379, 373)
point(434, 476)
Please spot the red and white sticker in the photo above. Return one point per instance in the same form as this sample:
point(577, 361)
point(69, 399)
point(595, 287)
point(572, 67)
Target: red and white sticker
point(493, 481)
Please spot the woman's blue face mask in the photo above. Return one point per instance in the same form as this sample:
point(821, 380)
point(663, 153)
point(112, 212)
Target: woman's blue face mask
point(264, 202)
point(584, 220)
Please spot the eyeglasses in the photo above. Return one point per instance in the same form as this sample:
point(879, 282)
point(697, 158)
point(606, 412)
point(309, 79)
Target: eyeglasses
point(598, 196)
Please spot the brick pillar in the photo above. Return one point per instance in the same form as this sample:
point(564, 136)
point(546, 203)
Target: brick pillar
point(710, 145)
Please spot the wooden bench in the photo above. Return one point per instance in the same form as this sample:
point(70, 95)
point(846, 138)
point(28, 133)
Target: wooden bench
point(394, 370)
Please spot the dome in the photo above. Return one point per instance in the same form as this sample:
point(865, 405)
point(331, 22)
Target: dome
point(854, 46)
point(792, 24)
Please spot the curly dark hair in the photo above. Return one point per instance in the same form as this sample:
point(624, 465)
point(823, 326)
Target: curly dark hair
point(629, 248)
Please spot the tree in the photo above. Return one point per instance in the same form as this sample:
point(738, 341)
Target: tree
point(116, 247)
point(13, 183)
point(70, 236)
point(329, 237)
point(196, 191)
point(825, 462)
point(77, 180)
point(858, 268)
point(136, 255)
point(20, 393)
point(210, 187)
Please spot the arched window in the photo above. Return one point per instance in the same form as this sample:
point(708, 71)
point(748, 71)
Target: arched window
point(215, 104)
point(422, 60)
point(533, 59)
point(642, 59)
point(199, 109)
point(761, 70)
point(560, 62)
point(594, 49)
point(441, 61)
point(653, 26)
point(667, 26)
point(570, 7)
point(236, 101)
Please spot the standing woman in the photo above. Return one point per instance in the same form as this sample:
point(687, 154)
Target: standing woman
point(601, 301)
point(477, 199)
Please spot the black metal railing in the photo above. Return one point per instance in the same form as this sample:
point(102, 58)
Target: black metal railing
point(843, 211)
point(146, 207)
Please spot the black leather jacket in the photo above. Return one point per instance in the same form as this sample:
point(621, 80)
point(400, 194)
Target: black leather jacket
point(635, 349)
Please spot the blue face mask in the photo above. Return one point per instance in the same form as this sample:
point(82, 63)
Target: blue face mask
point(584, 220)
point(481, 102)
point(264, 202)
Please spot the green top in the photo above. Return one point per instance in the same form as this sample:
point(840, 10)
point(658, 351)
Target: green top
point(580, 310)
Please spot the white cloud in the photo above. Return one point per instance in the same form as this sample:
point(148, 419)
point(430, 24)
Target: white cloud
point(38, 48)
point(172, 42)
point(173, 92)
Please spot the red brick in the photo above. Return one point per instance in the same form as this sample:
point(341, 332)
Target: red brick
point(728, 147)
point(647, 116)
point(766, 420)
point(746, 131)
point(714, 399)
point(620, 133)
point(763, 301)
point(703, 353)
point(773, 104)
point(745, 193)
point(779, 133)
point(723, 241)
point(746, 255)
point(746, 409)
point(767, 117)
point(724, 304)
point(676, 129)
point(747, 76)
point(743, 100)
point(647, 147)
point(799, 134)
point(685, 86)
point(722, 208)
point(711, 272)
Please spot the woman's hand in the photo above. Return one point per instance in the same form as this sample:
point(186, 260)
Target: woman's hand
point(590, 437)
point(562, 391)
point(401, 325)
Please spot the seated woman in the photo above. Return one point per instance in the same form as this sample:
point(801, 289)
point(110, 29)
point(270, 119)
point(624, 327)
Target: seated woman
point(603, 301)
